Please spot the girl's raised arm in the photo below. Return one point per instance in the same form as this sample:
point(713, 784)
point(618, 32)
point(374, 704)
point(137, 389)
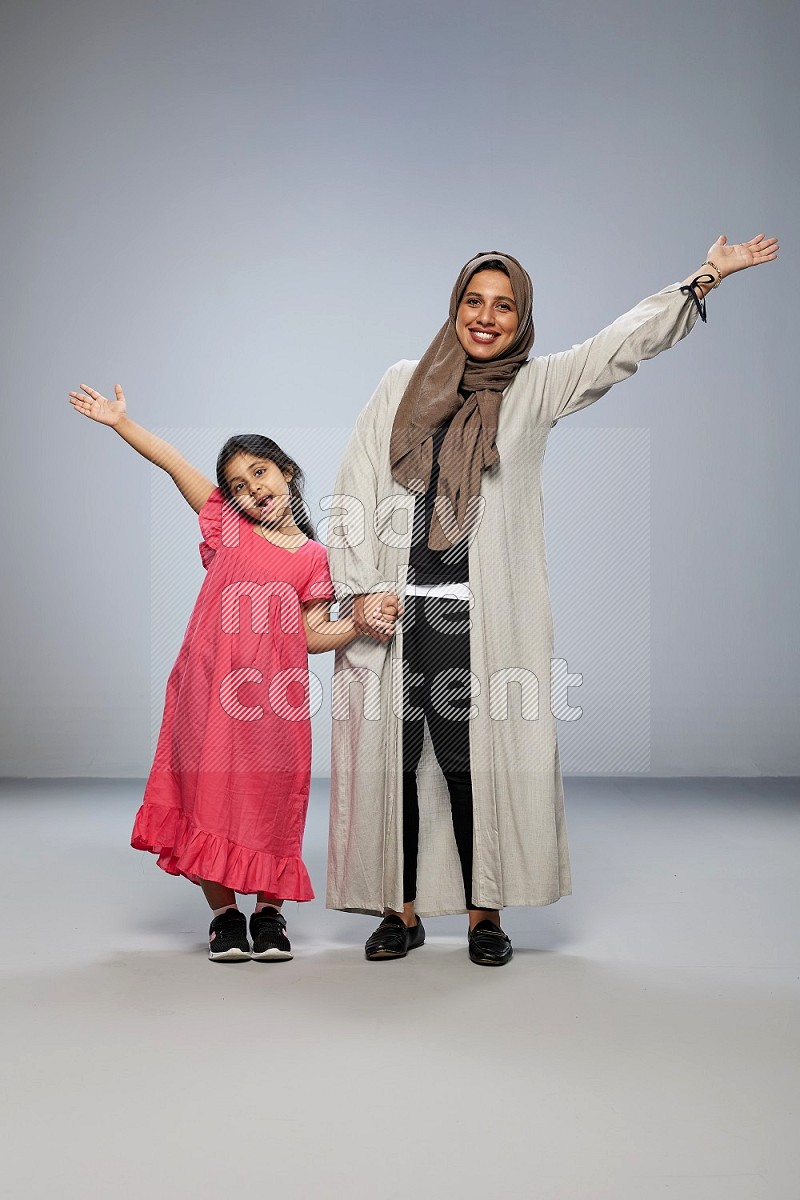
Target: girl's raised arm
point(191, 483)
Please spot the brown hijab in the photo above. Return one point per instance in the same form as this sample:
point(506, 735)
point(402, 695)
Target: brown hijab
point(447, 383)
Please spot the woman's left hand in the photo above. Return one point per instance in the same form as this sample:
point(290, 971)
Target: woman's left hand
point(728, 259)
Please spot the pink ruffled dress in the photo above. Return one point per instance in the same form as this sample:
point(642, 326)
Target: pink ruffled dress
point(227, 795)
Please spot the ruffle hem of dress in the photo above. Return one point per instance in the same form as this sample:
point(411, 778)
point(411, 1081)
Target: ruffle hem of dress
point(183, 849)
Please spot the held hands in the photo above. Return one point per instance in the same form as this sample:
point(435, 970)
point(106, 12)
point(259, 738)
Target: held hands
point(728, 259)
point(375, 614)
point(97, 407)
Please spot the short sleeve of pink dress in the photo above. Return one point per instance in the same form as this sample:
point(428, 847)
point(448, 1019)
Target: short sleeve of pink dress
point(227, 795)
point(318, 585)
point(210, 518)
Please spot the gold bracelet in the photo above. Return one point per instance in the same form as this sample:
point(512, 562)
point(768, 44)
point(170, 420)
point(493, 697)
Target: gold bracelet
point(708, 263)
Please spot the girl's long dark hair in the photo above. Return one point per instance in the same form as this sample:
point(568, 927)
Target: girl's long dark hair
point(264, 447)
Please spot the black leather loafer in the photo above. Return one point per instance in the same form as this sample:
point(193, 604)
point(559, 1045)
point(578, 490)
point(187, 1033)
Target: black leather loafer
point(488, 945)
point(393, 939)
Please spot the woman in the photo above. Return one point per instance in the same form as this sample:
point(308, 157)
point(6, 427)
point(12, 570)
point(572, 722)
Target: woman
point(446, 783)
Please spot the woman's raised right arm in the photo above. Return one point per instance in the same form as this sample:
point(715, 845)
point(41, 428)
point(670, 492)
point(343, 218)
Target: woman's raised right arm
point(191, 483)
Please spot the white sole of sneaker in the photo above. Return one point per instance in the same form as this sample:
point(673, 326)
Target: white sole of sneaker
point(229, 956)
point(273, 955)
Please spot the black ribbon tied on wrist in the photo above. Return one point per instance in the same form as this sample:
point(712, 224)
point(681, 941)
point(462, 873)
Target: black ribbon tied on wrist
point(688, 289)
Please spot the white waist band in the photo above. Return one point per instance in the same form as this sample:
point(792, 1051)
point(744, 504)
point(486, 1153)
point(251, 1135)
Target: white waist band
point(453, 591)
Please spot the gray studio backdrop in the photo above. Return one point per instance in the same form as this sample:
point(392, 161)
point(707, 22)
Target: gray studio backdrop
point(246, 211)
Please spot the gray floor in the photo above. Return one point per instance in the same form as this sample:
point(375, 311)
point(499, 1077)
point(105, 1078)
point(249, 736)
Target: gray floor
point(643, 1043)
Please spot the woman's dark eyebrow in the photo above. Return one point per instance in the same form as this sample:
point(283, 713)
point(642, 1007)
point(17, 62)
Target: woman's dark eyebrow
point(479, 295)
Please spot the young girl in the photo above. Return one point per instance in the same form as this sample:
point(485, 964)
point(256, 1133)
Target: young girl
point(226, 800)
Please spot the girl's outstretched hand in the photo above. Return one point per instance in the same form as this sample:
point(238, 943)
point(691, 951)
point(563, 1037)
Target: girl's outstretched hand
point(728, 259)
point(97, 407)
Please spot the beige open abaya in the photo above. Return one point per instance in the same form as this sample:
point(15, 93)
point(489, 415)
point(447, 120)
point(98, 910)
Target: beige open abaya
point(520, 842)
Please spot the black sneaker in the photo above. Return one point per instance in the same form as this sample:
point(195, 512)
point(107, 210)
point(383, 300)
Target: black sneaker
point(227, 937)
point(268, 931)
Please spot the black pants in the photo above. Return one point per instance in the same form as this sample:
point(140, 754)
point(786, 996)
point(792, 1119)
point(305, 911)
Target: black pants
point(437, 690)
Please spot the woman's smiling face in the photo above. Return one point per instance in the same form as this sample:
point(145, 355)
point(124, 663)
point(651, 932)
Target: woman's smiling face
point(259, 489)
point(487, 318)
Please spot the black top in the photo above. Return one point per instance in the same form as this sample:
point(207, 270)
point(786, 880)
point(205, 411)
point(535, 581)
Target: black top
point(435, 566)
